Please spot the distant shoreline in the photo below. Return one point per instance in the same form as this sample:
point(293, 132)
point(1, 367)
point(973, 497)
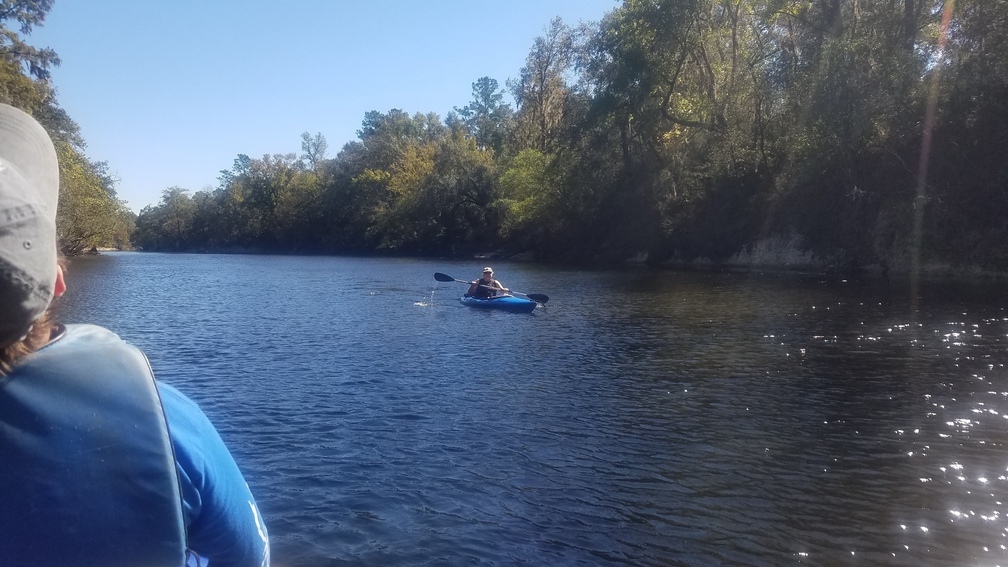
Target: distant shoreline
point(797, 264)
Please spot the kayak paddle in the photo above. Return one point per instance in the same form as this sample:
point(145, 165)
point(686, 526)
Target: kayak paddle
point(538, 297)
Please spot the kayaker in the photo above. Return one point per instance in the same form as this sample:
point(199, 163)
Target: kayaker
point(486, 287)
point(99, 464)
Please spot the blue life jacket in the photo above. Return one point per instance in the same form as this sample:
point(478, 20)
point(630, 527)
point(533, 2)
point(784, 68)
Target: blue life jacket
point(87, 471)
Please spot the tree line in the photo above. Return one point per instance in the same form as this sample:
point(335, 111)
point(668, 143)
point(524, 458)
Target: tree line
point(835, 133)
point(89, 213)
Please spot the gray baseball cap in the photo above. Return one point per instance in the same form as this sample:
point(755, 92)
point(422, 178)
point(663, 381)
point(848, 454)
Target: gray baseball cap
point(29, 193)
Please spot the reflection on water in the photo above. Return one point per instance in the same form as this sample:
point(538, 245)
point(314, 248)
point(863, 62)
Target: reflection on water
point(647, 418)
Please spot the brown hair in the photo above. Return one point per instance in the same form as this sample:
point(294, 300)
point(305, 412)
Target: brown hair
point(36, 338)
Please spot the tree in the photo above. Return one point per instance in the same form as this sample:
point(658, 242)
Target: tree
point(379, 172)
point(525, 197)
point(487, 117)
point(463, 187)
point(178, 211)
point(24, 69)
point(169, 225)
point(18, 90)
point(299, 210)
point(27, 14)
point(254, 188)
point(87, 215)
point(541, 88)
point(314, 150)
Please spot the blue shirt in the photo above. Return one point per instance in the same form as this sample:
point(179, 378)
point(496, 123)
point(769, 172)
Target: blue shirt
point(221, 517)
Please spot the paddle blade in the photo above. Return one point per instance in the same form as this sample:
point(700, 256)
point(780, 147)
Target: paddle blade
point(443, 277)
point(538, 297)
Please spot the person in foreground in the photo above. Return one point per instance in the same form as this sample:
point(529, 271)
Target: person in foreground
point(99, 463)
point(486, 287)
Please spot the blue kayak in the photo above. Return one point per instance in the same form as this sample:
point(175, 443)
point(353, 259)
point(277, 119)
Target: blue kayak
point(502, 302)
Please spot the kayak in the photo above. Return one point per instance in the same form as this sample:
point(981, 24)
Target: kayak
point(502, 302)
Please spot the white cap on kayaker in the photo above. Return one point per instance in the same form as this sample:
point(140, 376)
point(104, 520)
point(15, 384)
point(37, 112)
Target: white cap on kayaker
point(487, 270)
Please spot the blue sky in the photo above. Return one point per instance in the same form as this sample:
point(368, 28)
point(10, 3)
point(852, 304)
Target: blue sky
point(170, 92)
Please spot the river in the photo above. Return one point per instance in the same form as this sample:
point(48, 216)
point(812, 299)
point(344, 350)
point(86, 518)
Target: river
point(638, 418)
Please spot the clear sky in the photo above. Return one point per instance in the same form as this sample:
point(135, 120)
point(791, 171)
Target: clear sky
point(169, 92)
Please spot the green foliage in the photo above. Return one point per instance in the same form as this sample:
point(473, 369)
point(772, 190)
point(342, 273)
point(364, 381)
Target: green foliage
point(669, 130)
point(18, 90)
point(541, 88)
point(487, 118)
point(526, 187)
point(88, 214)
point(24, 70)
point(26, 14)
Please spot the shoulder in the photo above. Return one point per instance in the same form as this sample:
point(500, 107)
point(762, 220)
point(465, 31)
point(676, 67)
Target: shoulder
point(87, 342)
point(88, 350)
point(197, 442)
point(180, 409)
point(86, 334)
point(223, 519)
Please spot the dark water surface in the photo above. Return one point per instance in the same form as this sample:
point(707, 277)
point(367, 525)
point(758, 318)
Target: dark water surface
point(641, 418)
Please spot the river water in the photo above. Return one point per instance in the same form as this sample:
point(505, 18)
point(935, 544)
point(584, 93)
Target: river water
point(640, 418)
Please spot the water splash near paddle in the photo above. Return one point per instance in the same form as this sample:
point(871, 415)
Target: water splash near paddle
point(429, 303)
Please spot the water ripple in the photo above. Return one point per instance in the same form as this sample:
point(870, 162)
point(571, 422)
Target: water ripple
point(645, 419)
